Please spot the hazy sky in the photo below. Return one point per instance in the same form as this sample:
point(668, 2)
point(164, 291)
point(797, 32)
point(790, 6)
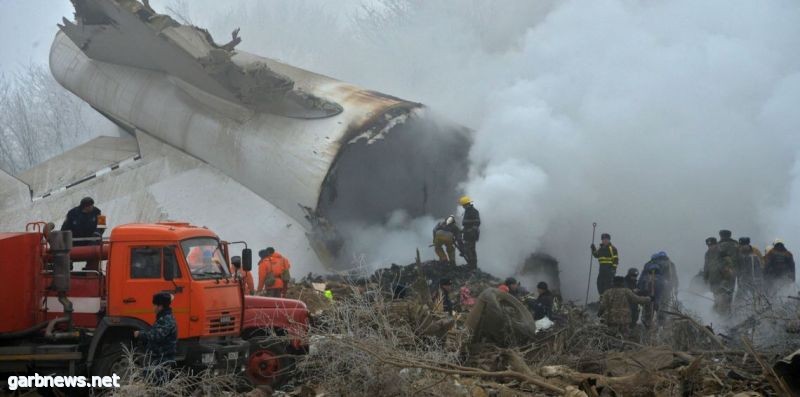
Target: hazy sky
point(27, 28)
point(663, 121)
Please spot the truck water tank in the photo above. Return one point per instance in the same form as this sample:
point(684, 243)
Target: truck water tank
point(20, 266)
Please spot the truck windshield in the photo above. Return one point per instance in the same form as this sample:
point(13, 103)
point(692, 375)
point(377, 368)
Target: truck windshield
point(204, 257)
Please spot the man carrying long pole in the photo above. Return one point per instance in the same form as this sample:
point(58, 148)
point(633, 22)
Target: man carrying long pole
point(607, 259)
point(591, 258)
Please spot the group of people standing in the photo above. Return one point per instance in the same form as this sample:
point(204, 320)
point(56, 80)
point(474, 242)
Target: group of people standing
point(273, 274)
point(732, 267)
point(624, 298)
point(737, 266)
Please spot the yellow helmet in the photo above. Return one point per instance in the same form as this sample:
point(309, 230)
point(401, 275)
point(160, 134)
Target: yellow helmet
point(465, 200)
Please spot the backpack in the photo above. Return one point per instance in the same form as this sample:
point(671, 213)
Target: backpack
point(270, 281)
point(285, 277)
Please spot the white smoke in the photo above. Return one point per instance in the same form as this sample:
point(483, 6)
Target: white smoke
point(393, 241)
point(662, 121)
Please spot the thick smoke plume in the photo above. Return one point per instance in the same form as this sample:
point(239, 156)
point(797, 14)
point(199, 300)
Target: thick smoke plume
point(661, 121)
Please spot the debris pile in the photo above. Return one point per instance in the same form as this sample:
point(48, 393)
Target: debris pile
point(370, 340)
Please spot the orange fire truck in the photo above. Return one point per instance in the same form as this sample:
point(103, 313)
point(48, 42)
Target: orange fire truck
point(75, 322)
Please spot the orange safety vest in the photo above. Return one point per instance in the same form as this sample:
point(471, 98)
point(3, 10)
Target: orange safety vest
point(275, 264)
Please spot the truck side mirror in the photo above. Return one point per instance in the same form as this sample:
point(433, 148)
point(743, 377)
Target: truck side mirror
point(247, 259)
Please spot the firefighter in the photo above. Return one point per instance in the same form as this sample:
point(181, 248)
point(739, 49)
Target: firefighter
point(750, 274)
point(608, 258)
point(615, 306)
point(471, 224)
point(82, 221)
point(780, 269)
point(273, 274)
point(446, 236)
point(161, 339)
point(244, 275)
point(722, 277)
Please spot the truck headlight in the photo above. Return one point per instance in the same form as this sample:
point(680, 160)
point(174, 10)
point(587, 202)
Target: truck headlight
point(208, 358)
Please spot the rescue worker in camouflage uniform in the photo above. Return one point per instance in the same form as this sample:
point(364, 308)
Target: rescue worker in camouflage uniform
point(712, 253)
point(630, 282)
point(780, 268)
point(750, 274)
point(161, 339)
point(471, 231)
point(615, 306)
point(608, 258)
point(722, 274)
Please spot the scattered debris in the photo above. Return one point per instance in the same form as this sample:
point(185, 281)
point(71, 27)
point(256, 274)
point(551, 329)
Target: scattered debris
point(384, 335)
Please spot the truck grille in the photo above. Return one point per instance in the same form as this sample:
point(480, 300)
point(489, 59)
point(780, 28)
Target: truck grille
point(222, 322)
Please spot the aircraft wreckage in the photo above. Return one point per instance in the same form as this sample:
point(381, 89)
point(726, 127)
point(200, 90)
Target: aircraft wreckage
point(254, 148)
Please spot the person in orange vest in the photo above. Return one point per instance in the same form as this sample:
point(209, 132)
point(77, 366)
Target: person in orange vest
point(273, 274)
point(243, 275)
point(195, 257)
point(511, 286)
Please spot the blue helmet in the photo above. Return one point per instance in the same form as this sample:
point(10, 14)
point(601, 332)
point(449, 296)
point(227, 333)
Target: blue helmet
point(657, 255)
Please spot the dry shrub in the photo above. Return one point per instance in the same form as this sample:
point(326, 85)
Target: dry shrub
point(362, 347)
point(138, 380)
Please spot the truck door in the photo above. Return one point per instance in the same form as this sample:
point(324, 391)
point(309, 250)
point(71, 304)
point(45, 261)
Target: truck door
point(146, 269)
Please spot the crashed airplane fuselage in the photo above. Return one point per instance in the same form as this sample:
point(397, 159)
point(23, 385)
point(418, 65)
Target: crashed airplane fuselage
point(318, 151)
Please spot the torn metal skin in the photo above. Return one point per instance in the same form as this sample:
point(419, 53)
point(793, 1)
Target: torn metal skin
point(105, 30)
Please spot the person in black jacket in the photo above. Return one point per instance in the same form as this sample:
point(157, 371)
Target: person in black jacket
point(161, 339)
point(543, 305)
point(471, 224)
point(82, 221)
point(608, 258)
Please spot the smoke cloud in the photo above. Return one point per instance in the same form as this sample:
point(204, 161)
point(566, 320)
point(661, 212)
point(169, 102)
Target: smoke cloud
point(661, 121)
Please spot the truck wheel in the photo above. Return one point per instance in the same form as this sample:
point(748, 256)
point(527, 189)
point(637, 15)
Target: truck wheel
point(268, 363)
point(112, 361)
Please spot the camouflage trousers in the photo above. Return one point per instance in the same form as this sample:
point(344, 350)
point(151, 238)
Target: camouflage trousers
point(723, 298)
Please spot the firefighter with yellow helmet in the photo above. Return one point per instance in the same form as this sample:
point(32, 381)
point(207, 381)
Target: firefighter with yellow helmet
point(471, 231)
